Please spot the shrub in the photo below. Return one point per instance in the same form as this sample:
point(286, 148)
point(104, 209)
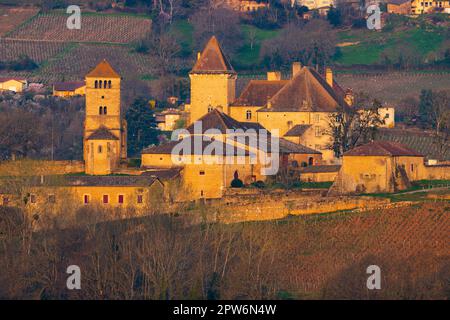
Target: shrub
point(258, 184)
point(237, 183)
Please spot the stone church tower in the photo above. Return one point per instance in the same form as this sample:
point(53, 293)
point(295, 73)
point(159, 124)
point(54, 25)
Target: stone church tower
point(104, 129)
point(213, 82)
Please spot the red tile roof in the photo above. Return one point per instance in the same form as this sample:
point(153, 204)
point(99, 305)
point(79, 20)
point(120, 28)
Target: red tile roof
point(223, 122)
point(383, 148)
point(258, 92)
point(307, 91)
point(68, 86)
point(103, 70)
point(212, 59)
point(167, 148)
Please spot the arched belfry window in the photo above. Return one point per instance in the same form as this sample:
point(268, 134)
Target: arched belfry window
point(105, 110)
point(100, 110)
point(248, 115)
point(96, 84)
point(100, 84)
point(109, 84)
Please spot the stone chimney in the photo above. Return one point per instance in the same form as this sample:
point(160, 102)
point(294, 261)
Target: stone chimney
point(274, 76)
point(199, 55)
point(329, 76)
point(269, 104)
point(296, 67)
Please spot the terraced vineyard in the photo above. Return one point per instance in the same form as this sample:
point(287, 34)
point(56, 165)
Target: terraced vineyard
point(329, 253)
point(393, 87)
point(10, 18)
point(68, 66)
point(94, 28)
point(39, 51)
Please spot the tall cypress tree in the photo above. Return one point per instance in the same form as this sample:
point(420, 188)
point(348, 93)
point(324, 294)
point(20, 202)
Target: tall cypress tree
point(425, 107)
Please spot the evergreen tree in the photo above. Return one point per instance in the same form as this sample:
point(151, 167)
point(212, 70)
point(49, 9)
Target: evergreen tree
point(425, 107)
point(141, 125)
point(334, 16)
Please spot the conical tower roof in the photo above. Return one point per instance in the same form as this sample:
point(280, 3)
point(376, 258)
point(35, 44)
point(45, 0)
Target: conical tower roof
point(212, 59)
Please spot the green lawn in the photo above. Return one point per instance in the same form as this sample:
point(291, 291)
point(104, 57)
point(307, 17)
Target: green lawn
point(373, 44)
point(248, 55)
point(184, 32)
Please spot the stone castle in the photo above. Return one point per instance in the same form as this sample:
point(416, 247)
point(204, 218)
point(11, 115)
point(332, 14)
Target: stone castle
point(288, 118)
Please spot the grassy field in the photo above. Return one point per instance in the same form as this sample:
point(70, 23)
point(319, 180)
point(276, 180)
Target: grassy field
point(369, 46)
point(421, 191)
point(248, 55)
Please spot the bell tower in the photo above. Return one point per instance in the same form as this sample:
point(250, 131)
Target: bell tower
point(104, 129)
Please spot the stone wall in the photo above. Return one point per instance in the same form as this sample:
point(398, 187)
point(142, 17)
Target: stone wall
point(40, 167)
point(261, 206)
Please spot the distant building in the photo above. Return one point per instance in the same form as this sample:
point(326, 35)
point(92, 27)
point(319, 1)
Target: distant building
point(13, 84)
point(322, 5)
point(69, 89)
point(242, 5)
point(167, 119)
point(399, 6)
point(422, 6)
point(387, 114)
point(251, 5)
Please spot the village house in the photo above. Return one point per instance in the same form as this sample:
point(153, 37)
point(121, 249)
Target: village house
point(383, 166)
point(69, 89)
point(13, 84)
point(68, 193)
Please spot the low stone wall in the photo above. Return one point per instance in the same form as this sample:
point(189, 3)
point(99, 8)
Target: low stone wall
point(437, 172)
point(40, 167)
point(280, 205)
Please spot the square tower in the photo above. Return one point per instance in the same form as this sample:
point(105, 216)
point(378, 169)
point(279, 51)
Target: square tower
point(104, 129)
point(213, 82)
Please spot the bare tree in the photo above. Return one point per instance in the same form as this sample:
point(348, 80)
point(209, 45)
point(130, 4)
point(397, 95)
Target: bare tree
point(351, 126)
point(440, 116)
